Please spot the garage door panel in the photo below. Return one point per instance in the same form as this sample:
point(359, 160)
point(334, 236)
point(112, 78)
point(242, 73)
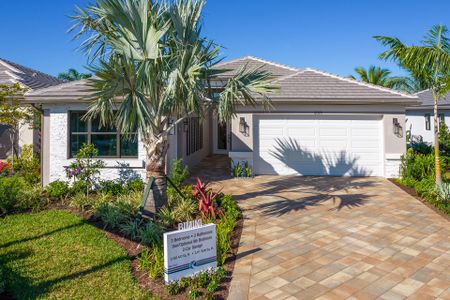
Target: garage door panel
point(305, 146)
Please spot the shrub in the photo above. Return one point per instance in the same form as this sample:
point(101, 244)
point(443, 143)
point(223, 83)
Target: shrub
point(241, 169)
point(27, 165)
point(203, 279)
point(185, 209)
point(5, 168)
point(130, 229)
point(173, 289)
point(212, 286)
point(153, 261)
point(58, 189)
point(114, 213)
point(193, 293)
point(10, 188)
point(417, 166)
point(223, 233)
point(151, 233)
point(32, 198)
point(167, 216)
point(444, 139)
point(421, 147)
point(111, 187)
point(2, 280)
point(135, 185)
point(85, 168)
point(81, 201)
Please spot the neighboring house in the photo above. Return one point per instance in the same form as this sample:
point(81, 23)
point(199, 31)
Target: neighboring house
point(319, 124)
point(419, 118)
point(30, 79)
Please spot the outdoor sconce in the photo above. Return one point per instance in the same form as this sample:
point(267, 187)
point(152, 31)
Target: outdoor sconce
point(185, 125)
point(243, 127)
point(398, 130)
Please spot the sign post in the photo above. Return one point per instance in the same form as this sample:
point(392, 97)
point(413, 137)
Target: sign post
point(189, 251)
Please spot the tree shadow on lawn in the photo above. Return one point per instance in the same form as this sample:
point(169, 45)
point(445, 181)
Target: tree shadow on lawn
point(42, 235)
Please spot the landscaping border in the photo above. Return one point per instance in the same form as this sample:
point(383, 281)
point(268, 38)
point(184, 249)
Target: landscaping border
point(412, 192)
point(133, 248)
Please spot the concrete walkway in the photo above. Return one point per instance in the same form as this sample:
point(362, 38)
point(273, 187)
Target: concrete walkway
point(337, 238)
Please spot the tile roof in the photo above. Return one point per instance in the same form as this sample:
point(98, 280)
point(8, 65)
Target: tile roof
point(426, 101)
point(314, 84)
point(252, 62)
point(295, 85)
point(11, 72)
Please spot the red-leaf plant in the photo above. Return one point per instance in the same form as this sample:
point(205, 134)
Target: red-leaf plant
point(206, 200)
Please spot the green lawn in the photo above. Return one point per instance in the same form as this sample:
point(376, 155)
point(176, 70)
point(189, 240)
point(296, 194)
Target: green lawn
point(56, 255)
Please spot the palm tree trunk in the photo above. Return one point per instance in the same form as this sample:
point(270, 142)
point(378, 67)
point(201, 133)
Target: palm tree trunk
point(156, 167)
point(437, 159)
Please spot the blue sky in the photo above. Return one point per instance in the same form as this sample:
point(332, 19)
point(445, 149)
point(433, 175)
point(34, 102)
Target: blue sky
point(334, 36)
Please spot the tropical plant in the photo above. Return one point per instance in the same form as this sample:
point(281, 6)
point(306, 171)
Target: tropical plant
point(85, 168)
point(72, 75)
point(382, 77)
point(151, 56)
point(428, 62)
point(206, 198)
point(10, 189)
point(443, 192)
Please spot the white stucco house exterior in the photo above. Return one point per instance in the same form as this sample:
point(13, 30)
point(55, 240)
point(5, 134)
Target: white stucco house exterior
point(419, 118)
point(319, 124)
point(11, 73)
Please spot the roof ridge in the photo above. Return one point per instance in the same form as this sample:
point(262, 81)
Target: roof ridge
point(272, 63)
point(290, 75)
point(361, 83)
point(259, 60)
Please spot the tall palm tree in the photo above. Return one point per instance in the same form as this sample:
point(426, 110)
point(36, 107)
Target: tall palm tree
point(72, 75)
point(429, 63)
point(380, 76)
point(153, 68)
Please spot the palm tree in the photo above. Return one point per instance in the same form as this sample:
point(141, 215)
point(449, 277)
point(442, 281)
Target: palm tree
point(153, 68)
point(380, 76)
point(72, 75)
point(428, 63)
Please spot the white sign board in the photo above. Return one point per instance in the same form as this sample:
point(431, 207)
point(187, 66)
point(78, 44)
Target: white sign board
point(189, 251)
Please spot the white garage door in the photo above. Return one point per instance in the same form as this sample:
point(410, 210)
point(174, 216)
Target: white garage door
point(325, 145)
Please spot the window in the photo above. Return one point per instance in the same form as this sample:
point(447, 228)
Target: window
point(427, 122)
point(194, 135)
point(108, 141)
point(441, 119)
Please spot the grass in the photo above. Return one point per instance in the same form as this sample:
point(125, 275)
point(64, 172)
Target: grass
point(56, 255)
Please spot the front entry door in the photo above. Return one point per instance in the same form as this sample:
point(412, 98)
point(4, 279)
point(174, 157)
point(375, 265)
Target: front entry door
point(221, 134)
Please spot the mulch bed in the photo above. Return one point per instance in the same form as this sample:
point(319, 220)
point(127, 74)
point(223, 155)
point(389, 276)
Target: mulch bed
point(157, 287)
point(413, 193)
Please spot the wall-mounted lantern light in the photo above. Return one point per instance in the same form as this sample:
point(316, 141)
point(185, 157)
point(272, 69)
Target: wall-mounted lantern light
point(398, 130)
point(243, 127)
point(185, 125)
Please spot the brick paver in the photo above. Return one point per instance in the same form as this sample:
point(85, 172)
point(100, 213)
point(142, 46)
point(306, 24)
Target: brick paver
point(337, 238)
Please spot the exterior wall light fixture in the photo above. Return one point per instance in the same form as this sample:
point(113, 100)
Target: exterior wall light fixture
point(398, 130)
point(243, 127)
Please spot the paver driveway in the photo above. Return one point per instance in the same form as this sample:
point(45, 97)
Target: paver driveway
point(337, 238)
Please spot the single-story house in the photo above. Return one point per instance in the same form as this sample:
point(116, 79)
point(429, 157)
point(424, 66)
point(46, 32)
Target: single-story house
point(11, 73)
point(419, 118)
point(318, 124)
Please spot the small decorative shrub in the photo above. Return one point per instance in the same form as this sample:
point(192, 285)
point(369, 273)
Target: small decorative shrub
point(185, 209)
point(173, 289)
point(421, 147)
point(10, 188)
point(241, 169)
point(111, 187)
point(152, 261)
point(212, 286)
point(167, 216)
point(135, 185)
point(202, 279)
point(57, 189)
point(81, 201)
point(130, 229)
point(185, 282)
point(207, 205)
point(193, 293)
point(114, 213)
point(151, 233)
point(32, 198)
point(417, 166)
point(27, 165)
point(178, 175)
point(85, 168)
point(5, 168)
point(219, 274)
